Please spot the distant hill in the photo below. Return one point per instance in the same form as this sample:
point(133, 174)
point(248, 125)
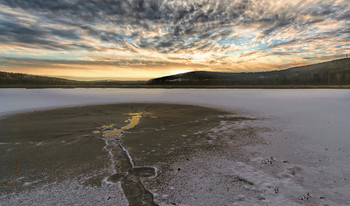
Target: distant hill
point(26, 80)
point(8, 78)
point(335, 72)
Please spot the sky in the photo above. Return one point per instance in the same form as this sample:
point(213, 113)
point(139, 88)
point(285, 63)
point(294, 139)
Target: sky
point(143, 39)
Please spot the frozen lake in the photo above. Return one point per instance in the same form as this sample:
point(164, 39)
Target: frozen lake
point(322, 115)
point(317, 119)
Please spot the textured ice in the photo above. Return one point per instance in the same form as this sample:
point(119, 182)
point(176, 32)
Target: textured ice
point(310, 129)
point(67, 193)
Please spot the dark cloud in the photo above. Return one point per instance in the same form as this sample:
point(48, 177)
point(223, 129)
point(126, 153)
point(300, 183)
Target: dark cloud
point(37, 63)
point(173, 24)
point(281, 53)
point(277, 22)
point(14, 33)
point(179, 20)
point(291, 42)
point(344, 16)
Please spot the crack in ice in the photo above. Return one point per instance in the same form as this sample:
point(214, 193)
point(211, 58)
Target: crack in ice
point(124, 170)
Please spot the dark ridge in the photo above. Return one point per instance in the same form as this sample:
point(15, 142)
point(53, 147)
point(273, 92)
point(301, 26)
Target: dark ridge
point(19, 79)
point(8, 78)
point(336, 72)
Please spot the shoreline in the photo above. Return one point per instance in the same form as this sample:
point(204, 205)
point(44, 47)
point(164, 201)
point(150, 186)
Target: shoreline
point(180, 86)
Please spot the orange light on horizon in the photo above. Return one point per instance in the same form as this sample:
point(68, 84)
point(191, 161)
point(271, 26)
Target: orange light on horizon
point(179, 71)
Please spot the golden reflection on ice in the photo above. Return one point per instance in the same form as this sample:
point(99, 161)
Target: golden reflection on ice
point(110, 131)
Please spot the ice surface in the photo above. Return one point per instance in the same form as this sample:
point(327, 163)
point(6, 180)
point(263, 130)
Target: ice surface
point(313, 124)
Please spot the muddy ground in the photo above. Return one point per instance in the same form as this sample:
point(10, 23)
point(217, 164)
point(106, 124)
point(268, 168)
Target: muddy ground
point(56, 157)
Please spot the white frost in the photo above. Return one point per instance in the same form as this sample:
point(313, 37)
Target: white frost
point(317, 118)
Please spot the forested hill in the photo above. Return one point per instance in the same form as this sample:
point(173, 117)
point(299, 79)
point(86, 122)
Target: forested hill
point(8, 78)
point(335, 72)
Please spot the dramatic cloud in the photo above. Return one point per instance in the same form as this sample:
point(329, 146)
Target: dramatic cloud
point(222, 35)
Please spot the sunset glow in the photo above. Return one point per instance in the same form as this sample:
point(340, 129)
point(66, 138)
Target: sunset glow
point(143, 39)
